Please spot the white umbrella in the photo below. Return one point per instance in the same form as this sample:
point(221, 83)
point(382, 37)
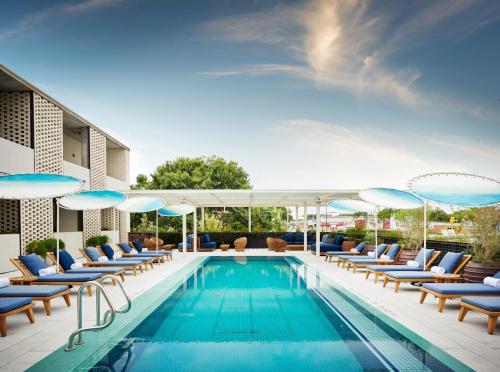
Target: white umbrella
point(179, 210)
point(39, 186)
point(141, 205)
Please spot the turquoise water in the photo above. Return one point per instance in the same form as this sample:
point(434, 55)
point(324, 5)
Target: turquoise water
point(258, 314)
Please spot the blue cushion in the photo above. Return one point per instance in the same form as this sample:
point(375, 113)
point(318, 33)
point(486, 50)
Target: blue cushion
point(486, 303)
point(337, 253)
point(361, 246)
point(325, 238)
point(324, 247)
point(289, 237)
point(410, 274)
point(385, 268)
point(420, 257)
point(363, 260)
point(137, 245)
point(8, 304)
point(108, 251)
point(102, 270)
point(299, 238)
point(208, 245)
point(69, 277)
point(190, 238)
point(160, 253)
point(461, 288)
point(380, 249)
point(497, 275)
point(65, 259)
point(33, 263)
point(393, 251)
point(338, 240)
point(450, 261)
point(205, 238)
point(126, 248)
point(310, 239)
point(93, 253)
point(32, 290)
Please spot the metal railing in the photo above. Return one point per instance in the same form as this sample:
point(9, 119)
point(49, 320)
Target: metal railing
point(109, 315)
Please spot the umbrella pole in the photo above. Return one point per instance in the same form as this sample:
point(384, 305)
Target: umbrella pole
point(57, 232)
point(376, 232)
point(157, 231)
point(184, 233)
point(425, 234)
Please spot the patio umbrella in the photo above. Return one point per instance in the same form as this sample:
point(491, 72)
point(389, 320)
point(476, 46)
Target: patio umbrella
point(38, 186)
point(143, 204)
point(89, 200)
point(350, 206)
point(179, 210)
point(389, 198)
point(455, 189)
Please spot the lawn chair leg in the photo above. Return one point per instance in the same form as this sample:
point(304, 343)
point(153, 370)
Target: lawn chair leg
point(89, 291)
point(367, 274)
point(396, 286)
point(122, 275)
point(135, 271)
point(30, 314)
point(441, 303)
point(375, 279)
point(462, 313)
point(492, 324)
point(423, 295)
point(46, 304)
point(354, 267)
point(3, 326)
point(386, 280)
point(151, 263)
point(140, 268)
point(67, 299)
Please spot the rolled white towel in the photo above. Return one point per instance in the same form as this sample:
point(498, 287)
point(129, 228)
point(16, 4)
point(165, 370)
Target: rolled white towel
point(144, 249)
point(371, 254)
point(47, 271)
point(4, 282)
point(76, 265)
point(117, 255)
point(412, 263)
point(103, 259)
point(354, 250)
point(385, 257)
point(437, 270)
point(492, 282)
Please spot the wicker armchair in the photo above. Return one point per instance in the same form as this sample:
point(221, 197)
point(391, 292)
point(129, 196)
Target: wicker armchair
point(276, 244)
point(240, 244)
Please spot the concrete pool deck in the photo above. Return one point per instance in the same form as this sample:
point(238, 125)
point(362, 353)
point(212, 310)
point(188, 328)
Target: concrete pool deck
point(468, 341)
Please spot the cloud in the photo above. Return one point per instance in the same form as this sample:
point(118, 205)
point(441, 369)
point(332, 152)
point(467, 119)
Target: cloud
point(345, 43)
point(86, 5)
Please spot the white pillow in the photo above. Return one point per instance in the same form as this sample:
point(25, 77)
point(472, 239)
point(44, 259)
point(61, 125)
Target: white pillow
point(412, 264)
point(4, 282)
point(371, 254)
point(102, 259)
point(118, 255)
point(76, 265)
point(385, 257)
point(492, 282)
point(47, 271)
point(437, 270)
point(144, 249)
point(354, 250)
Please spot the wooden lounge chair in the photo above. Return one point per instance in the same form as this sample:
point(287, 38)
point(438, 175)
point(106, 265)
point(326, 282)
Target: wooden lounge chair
point(10, 306)
point(425, 276)
point(58, 279)
point(393, 252)
point(125, 264)
point(128, 251)
point(86, 269)
point(486, 305)
point(379, 250)
point(336, 254)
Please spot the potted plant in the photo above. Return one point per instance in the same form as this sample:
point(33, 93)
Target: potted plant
point(42, 247)
point(412, 232)
point(485, 244)
point(97, 240)
point(370, 239)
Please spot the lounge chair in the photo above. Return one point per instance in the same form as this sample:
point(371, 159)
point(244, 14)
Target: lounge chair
point(44, 293)
point(13, 305)
point(127, 251)
point(92, 255)
point(445, 291)
point(452, 263)
point(380, 270)
point(393, 252)
point(486, 305)
point(66, 260)
point(359, 250)
point(377, 252)
point(31, 264)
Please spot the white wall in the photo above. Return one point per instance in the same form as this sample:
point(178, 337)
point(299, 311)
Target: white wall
point(9, 248)
point(73, 241)
point(68, 220)
point(77, 171)
point(117, 164)
point(15, 158)
point(111, 235)
point(114, 184)
point(72, 150)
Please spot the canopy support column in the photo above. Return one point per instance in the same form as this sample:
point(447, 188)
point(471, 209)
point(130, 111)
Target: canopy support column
point(297, 215)
point(249, 219)
point(376, 227)
point(195, 230)
point(425, 234)
point(202, 218)
point(318, 226)
point(305, 227)
point(156, 231)
point(184, 233)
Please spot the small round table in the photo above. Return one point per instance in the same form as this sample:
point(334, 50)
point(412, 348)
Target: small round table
point(447, 278)
point(224, 247)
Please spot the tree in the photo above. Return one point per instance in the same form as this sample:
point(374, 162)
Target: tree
point(412, 229)
point(438, 215)
point(385, 213)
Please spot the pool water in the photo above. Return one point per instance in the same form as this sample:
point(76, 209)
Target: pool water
point(263, 314)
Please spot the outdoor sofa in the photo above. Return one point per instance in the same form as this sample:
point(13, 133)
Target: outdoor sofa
point(326, 246)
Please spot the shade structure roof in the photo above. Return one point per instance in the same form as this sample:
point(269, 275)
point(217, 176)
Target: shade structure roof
point(176, 210)
point(457, 189)
point(351, 206)
point(245, 198)
point(391, 198)
point(38, 186)
point(96, 199)
point(141, 204)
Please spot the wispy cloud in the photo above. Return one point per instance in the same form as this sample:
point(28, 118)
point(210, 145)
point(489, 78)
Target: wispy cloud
point(345, 44)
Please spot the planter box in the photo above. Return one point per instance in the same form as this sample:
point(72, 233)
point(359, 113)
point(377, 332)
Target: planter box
point(476, 272)
point(347, 245)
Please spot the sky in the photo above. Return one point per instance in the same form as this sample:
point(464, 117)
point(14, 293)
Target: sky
point(302, 94)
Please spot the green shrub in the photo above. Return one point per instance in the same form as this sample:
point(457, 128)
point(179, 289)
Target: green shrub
point(42, 247)
point(96, 240)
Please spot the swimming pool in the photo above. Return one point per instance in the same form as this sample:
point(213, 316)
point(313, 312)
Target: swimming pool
point(262, 314)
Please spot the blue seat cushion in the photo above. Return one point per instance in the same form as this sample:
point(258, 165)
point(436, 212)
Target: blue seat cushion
point(65, 259)
point(450, 261)
point(420, 257)
point(33, 263)
point(205, 238)
point(337, 253)
point(126, 248)
point(393, 251)
point(299, 238)
point(362, 260)
point(486, 303)
point(93, 253)
point(380, 249)
point(462, 288)
point(102, 270)
point(8, 304)
point(325, 247)
point(208, 245)
point(411, 274)
point(497, 275)
point(338, 240)
point(289, 237)
point(32, 290)
point(160, 253)
point(385, 268)
point(108, 251)
point(325, 238)
point(190, 239)
point(69, 277)
point(124, 262)
point(361, 246)
point(137, 245)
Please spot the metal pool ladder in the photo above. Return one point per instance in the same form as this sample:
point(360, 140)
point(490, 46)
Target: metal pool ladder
point(109, 315)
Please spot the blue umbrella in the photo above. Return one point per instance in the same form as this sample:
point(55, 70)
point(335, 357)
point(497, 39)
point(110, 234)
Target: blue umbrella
point(179, 210)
